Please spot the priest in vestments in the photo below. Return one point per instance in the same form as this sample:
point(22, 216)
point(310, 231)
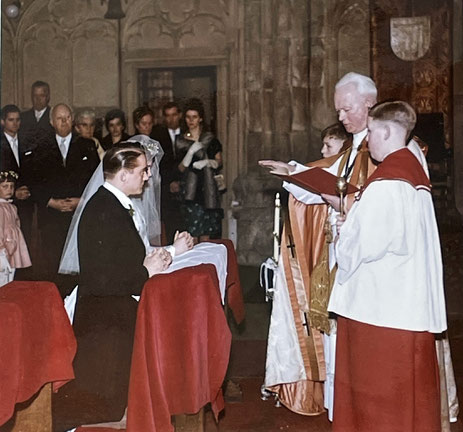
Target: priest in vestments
point(388, 291)
point(300, 353)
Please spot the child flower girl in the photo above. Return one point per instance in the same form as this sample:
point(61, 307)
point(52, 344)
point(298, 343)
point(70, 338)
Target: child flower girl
point(13, 249)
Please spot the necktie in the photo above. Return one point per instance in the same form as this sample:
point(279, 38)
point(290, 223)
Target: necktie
point(37, 116)
point(15, 149)
point(131, 210)
point(62, 149)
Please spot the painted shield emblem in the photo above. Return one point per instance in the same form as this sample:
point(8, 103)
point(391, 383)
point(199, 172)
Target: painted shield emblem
point(410, 37)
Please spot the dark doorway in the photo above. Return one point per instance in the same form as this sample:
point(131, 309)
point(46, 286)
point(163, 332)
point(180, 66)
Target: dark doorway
point(160, 85)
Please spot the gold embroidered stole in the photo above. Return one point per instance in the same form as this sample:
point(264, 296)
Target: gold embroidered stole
point(295, 259)
point(322, 279)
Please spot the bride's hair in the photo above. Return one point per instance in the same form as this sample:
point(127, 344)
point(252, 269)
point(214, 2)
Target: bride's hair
point(123, 155)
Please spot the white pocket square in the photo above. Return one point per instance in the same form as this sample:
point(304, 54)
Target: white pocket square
point(84, 158)
point(28, 153)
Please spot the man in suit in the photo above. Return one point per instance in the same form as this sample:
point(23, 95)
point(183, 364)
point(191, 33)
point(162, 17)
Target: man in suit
point(37, 118)
point(170, 185)
point(113, 267)
point(16, 156)
point(63, 164)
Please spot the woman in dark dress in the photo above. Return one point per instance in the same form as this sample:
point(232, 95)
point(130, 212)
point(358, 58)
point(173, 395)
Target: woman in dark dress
point(116, 125)
point(200, 154)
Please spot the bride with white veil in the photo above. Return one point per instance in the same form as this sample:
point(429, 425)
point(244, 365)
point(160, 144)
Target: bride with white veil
point(147, 204)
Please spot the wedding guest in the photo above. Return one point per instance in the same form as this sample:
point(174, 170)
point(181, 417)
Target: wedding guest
point(37, 118)
point(143, 120)
point(13, 249)
point(200, 153)
point(85, 127)
point(116, 125)
point(63, 164)
point(166, 134)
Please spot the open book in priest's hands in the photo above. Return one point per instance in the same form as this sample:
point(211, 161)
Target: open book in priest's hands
point(316, 180)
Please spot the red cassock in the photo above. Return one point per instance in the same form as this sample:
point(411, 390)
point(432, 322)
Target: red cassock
point(377, 369)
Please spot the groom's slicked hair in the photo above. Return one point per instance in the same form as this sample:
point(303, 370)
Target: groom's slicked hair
point(122, 155)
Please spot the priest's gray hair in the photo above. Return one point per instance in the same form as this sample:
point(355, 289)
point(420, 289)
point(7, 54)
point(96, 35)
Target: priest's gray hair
point(365, 85)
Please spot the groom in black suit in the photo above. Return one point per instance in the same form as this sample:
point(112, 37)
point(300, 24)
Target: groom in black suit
point(113, 266)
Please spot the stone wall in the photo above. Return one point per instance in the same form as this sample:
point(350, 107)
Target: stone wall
point(340, 43)
point(277, 114)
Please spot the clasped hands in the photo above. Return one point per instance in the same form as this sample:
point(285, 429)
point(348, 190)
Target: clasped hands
point(160, 259)
point(201, 164)
point(22, 193)
point(157, 261)
point(182, 242)
point(63, 205)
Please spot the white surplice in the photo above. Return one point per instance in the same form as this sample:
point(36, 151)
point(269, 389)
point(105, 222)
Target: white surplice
point(389, 260)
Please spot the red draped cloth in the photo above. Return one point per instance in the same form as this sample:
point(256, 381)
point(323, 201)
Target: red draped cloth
point(181, 349)
point(386, 380)
point(37, 344)
point(234, 293)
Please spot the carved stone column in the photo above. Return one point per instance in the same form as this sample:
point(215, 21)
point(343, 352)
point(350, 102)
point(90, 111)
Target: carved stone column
point(276, 39)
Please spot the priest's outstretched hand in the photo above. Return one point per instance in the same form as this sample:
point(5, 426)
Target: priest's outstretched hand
point(157, 261)
point(277, 167)
point(182, 242)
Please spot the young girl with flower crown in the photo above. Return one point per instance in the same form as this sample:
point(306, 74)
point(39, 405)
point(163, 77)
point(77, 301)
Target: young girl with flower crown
point(13, 249)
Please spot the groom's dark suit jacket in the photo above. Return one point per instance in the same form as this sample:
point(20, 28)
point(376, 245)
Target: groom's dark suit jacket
point(111, 252)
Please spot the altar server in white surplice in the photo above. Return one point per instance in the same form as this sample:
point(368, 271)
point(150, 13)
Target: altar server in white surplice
point(388, 292)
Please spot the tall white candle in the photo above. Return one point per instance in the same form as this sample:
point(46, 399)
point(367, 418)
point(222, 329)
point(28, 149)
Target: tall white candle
point(276, 227)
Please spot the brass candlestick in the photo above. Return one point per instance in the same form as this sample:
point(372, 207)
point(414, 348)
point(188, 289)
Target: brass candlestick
point(341, 187)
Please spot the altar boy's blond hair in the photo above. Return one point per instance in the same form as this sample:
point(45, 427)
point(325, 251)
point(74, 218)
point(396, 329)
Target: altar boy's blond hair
point(398, 112)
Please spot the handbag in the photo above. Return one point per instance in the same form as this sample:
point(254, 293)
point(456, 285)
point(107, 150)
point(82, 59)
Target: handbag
point(220, 181)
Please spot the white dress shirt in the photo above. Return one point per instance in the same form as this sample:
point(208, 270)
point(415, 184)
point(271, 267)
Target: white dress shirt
point(63, 144)
point(137, 217)
point(173, 133)
point(14, 145)
point(39, 114)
